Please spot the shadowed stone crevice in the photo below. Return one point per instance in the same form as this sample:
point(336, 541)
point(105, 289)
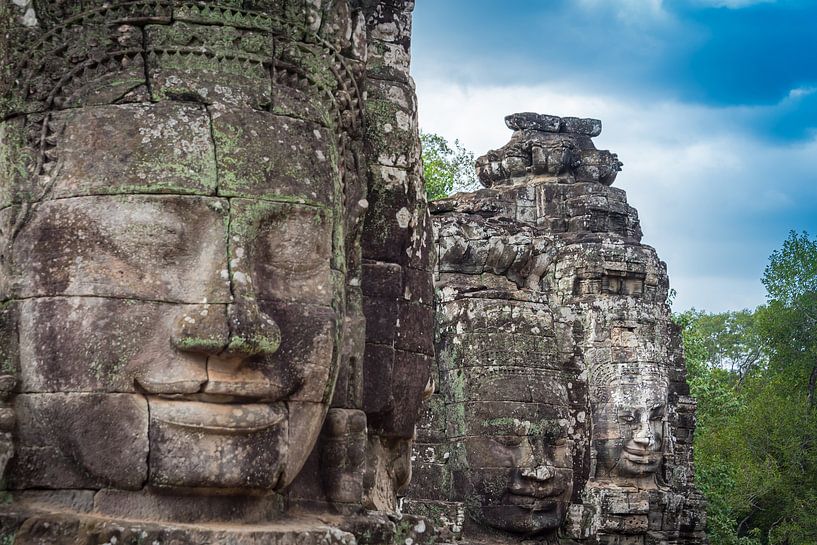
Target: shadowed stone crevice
point(145, 64)
point(215, 150)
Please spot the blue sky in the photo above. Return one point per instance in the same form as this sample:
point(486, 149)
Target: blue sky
point(710, 104)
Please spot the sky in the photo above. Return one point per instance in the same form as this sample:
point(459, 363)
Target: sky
point(710, 104)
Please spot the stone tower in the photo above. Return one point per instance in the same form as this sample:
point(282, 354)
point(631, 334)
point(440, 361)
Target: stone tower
point(214, 272)
point(562, 413)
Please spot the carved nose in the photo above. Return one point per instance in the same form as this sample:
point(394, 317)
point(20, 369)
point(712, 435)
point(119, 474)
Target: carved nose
point(643, 436)
point(203, 331)
point(239, 331)
point(538, 473)
point(252, 332)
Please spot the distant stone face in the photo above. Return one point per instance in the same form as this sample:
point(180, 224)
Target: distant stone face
point(512, 463)
point(562, 410)
point(202, 205)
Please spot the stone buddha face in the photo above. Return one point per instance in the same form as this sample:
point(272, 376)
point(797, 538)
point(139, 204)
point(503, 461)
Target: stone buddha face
point(511, 418)
point(628, 433)
point(519, 465)
point(182, 284)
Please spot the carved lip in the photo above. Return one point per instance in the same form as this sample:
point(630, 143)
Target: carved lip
point(645, 457)
point(218, 418)
point(540, 502)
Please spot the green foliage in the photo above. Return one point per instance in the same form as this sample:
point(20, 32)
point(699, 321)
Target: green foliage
point(789, 321)
point(731, 340)
point(446, 169)
point(753, 374)
point(792, 271)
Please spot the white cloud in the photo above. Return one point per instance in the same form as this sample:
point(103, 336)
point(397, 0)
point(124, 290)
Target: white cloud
point(629, 11)
point(731, 4)
point(801, 92)
point(701, 181)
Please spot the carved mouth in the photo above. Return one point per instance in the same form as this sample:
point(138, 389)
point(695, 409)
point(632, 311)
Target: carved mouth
point(533, 503)
point(644, 457)
point(218, 418)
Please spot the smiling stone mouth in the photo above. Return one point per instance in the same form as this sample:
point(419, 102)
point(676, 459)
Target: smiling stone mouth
point(221, 418)
point(540, 502)
point(641, 457)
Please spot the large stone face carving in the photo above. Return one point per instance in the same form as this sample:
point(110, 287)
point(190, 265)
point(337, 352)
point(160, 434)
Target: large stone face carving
point(192, 202)
point(513, 455)
point(562, 413)
point(629, 410)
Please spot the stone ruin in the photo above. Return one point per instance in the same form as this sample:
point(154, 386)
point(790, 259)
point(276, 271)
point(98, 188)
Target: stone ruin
point(561, 412)
point(216, 285)
point(218, 317)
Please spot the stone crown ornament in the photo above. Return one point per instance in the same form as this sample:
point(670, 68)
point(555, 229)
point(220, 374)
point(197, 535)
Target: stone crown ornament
point(550, 146)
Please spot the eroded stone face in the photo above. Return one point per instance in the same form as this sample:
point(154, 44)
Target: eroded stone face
point(628, 434)
point(215, 271)
point(618, 296)
point(519, 467)
point(224, 314)
point(180, 250)
point(509, 413)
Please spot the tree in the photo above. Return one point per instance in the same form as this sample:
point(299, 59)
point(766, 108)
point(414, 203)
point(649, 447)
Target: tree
point(446, 169)
point(715, 386)
point(754, 374)
point(729, 340)
point(790, 319)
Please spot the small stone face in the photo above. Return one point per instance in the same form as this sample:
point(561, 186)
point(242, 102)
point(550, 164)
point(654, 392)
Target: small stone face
point(519, 471)
point(508, 406)
point(629, 429)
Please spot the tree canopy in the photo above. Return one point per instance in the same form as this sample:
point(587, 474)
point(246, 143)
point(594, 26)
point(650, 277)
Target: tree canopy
point(753, 374)
point(446, 168)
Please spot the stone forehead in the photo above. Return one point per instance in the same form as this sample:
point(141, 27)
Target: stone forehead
point(631, 380)
point(165, 144)
point(511, 417)
point(515, 384)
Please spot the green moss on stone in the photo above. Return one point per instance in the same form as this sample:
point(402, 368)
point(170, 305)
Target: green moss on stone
point(255, 344)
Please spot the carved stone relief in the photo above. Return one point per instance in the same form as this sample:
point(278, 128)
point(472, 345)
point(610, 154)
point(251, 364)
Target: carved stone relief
point(185, 198)
point(562, 413)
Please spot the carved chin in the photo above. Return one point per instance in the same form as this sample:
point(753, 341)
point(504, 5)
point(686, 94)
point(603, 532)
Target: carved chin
point(540, 516)
point(618, 461)
point(209, 445)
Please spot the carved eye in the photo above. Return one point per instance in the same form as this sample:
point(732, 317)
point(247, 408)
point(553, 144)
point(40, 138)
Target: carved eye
point(627, 417)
